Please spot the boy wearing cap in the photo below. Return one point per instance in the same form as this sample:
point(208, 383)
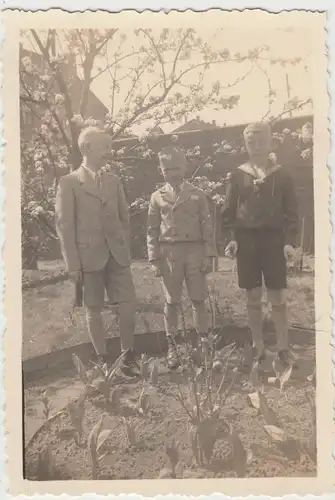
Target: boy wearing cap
point(180, 244)
point(92, 222)
point(261, 212)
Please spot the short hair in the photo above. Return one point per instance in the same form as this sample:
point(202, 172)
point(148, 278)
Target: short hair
point(170, 155)
point(257, 128)
point(87, 133)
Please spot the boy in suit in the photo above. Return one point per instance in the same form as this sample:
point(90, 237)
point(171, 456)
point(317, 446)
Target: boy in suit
point(261, 212)
point(92, 221)
point(180, 244)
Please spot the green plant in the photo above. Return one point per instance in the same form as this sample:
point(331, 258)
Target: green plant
point(86, 376)
point(130, 432)
point(47, 404)
point(96, 440)
point(107, 377)
point(205, 401)
point(172, 452)
point(45, 467)
point(143, 404)
point(145, 365)
point(76, 411)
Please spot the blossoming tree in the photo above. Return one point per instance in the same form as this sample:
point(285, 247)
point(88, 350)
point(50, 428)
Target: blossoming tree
point(159, 80)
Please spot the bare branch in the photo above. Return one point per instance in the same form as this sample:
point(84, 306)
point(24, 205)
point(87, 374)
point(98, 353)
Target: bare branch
point(158, 53)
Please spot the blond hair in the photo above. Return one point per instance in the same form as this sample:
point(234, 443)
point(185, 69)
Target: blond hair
point(87, 134)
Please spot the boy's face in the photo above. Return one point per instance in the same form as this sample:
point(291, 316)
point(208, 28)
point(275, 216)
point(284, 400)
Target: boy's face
point(258, 143)
point(98, 148)
point(174, 174)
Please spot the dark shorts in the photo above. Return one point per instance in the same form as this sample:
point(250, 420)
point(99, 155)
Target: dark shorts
point(260, 255)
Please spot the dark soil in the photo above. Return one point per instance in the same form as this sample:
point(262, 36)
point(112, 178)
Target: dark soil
point(165, 420)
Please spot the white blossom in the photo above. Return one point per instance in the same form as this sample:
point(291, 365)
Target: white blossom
point(218, 199)
point(120, 152)
point(78, 120)
point(59, 99)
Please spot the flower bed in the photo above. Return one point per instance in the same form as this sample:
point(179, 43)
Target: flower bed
point(179, 425)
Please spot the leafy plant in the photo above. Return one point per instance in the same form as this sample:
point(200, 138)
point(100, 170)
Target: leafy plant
point(85, 375)
point(45, 467)
point(130, 432)
point(205, 399)
point(76, 411)
point(154, 374)
point(143, 404)
point(282, 376)
point(96, 439)
point(47, 404)
point(107, 377)
point(145, 366)
point(172, 452)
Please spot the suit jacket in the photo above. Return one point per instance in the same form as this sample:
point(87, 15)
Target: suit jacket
point(92, 221)
point(181, 218)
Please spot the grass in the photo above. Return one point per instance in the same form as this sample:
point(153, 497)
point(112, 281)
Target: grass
point(49, 321)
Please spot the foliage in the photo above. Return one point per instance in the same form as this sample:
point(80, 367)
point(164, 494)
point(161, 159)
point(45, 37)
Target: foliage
point(55, 81)
point(47, 404)
point(95, 442)
point(76, 411)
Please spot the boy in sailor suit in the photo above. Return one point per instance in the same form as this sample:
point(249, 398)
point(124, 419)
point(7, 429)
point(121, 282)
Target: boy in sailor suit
point(261, 212)
point(180, 244)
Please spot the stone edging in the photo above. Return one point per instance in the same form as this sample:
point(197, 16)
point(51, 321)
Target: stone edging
point(152, 343)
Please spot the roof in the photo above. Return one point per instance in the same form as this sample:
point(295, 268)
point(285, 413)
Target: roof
point(195, 124)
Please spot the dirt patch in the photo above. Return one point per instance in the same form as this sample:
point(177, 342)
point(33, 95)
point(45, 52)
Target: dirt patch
point(50, 323)
point(166, 419)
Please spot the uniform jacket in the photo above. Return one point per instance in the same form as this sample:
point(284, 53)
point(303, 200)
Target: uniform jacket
point(179, 218)
point(92, 220)
point(261, 203)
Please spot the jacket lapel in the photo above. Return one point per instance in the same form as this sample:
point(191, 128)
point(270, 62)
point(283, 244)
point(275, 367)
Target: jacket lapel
point(167, 194)
point(184, 194)
point(88, 184)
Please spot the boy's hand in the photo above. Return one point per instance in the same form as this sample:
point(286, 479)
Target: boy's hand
point(75, 275)
point(207, 265)
point(231, 249)
point(289, 252)
point(157, 268)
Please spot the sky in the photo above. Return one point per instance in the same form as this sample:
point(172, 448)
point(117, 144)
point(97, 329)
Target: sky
point(286, 35)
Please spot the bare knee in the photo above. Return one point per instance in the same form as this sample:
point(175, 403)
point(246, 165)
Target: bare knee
point(198, 304)
point(254, 297)
point(126, 309)
point(93, 312)
point(171, 306)
point(277, 298)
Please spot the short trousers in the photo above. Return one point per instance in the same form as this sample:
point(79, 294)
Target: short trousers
point(182, 262)
point(115, 279)
point(260, 256)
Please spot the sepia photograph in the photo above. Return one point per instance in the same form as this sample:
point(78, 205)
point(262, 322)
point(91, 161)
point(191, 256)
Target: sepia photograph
point(169, 249)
